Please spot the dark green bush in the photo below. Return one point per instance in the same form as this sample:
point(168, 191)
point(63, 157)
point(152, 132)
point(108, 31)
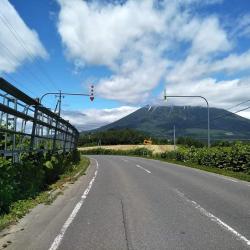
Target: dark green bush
point(235, 158)
point(7, 186)
point(190, 142)
point(33, 173)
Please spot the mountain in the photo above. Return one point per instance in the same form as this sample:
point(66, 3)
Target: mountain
point(188, 121)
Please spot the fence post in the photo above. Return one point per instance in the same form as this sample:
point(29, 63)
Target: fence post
point(76, 139)
point(71, 141)
point(65, 139)
point(29, 110)
point(55, 135)
point(33, 133)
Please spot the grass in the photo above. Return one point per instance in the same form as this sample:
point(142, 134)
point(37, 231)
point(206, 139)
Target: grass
point(237, 175)
point(22, 207)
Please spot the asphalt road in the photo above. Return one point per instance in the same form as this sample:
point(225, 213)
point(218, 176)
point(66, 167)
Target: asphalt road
point(134, 203)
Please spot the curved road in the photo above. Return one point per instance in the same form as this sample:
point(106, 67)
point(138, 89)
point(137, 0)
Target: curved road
point(135, 203)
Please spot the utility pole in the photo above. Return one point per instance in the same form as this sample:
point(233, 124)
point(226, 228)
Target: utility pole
point(60, 102)
point(57, 121)
point(61, 95)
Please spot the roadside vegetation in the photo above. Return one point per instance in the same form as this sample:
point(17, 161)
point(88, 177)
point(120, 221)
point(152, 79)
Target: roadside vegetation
point(154, 148)
point(133, 152)
point(33, 180)
point(233, 160)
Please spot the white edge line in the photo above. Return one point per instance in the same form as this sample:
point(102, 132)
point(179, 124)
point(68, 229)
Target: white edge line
point(73, 214)
point(230, 180)
point(149, 172)
point(223, 177)
point(214, 218)
point(210, 173)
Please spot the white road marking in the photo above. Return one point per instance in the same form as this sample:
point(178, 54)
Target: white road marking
point(223, 177)
point(214, 218)
point(73, 214)
point(143, 169)
point(125, 160)
point(210, 173)
point(230, 180)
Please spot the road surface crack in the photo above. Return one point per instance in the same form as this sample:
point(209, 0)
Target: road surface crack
point(126, 230)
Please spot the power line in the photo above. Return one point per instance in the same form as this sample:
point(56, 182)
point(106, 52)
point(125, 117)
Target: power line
point(19, 83)
point(238, 104)
point(228, 114)
point(22, 43)
point(225, 115)
point(232, 113)
point(25, 66)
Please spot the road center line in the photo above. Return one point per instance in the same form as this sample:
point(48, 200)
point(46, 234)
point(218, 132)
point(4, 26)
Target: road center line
point(214, 218)
point(143, 169)
point(73, 214)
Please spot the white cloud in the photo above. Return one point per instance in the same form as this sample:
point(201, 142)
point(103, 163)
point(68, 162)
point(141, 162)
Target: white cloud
point(132, 85)
point(193, 68)
point(93, 118)
point(207, 40)
point(119, 37)
point(233, 63)
point(222, 94)
point(242, 27)
point(142, 45)
point(13, 29)
point(210, 38)
point(245, 114)
point(96, 34)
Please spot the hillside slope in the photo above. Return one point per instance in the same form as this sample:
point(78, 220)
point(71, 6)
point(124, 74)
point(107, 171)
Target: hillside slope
point(189, 121)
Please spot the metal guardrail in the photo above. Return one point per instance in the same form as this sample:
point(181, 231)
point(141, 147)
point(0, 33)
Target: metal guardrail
point(26, 125)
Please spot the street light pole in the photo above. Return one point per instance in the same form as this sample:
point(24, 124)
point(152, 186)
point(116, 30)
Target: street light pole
point(194, 96)
point(61, 94)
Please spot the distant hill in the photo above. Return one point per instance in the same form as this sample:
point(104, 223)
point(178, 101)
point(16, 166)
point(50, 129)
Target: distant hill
point(188, 120)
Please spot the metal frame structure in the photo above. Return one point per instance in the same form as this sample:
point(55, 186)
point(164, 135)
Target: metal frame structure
point(26, 125)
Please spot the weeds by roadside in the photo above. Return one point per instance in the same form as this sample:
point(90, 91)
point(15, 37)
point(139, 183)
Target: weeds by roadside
point(21, 207)
point(233, 161)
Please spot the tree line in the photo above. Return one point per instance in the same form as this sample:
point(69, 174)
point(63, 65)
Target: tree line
point(115, 137)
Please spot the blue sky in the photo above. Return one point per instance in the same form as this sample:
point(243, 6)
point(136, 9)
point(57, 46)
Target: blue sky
point(130, 50)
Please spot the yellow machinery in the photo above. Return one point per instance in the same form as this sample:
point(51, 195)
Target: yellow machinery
point(147, 142)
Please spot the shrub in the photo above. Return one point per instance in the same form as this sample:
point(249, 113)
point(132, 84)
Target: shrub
point(7, 186)
point(235, 158)
point(33, 173)
point(188, 141)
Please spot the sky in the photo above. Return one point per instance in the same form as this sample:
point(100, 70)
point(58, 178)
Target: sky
point(130, 51)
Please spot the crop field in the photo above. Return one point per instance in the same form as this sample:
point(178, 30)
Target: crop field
point(154, 148)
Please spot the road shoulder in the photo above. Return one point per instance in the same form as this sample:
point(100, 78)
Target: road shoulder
point(38, 228)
